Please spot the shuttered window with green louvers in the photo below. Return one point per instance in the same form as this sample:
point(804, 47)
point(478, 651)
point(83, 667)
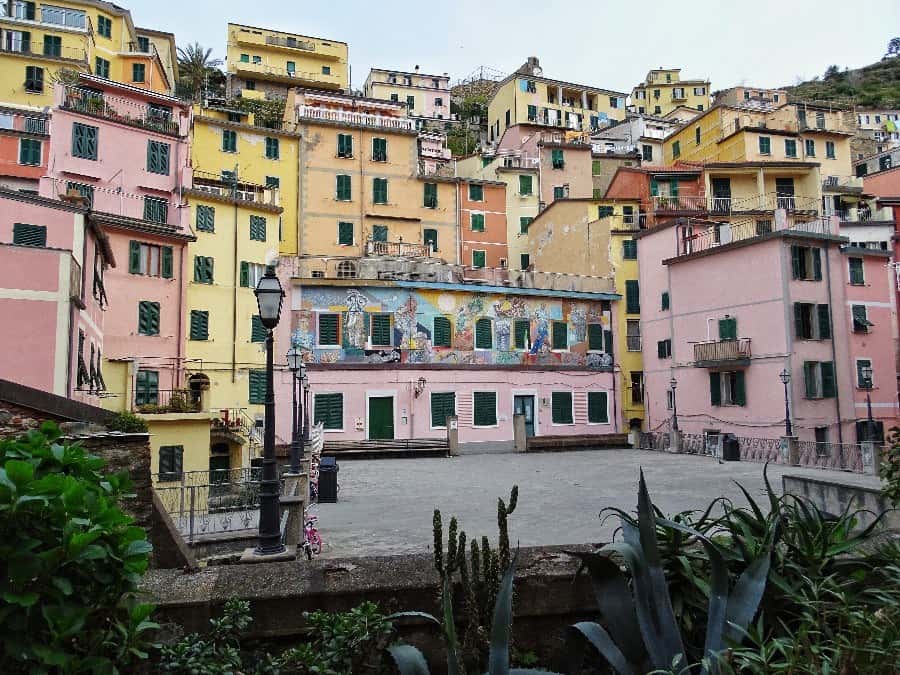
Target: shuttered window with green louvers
point(430, 198)
point(522, 333)
point(158, 157)
point(199, 325)
point(476, 193)
point(442, 334)
point(379, 233)
point(484, 334)
point(857, 277)
point(203, 269)
point(525, 186)
point(728, 328)
point(557, 159)
point(345, 234)
point(629, 249)
point(29, 235)
point(824, 316)
point(148, 318)
point(484, 409)
point(479, 258)
point(430, 238)
point(560, 335)
point(256, 382)
point(258, 332)
point(345, 145)
point(632, 297)
point(329, 410)
point(598, 407)
point(343, 189)
point(30, 152)
point(146, 387)
point(380, 190)
point(595, 337)
point(206, 218)
point(561, 407)
point(829, 384)
point(257, 228)
point(84, 141)
point(328, 329)
point(379, 149)
point(156, 210)
point(443, 405)
point(381, 330)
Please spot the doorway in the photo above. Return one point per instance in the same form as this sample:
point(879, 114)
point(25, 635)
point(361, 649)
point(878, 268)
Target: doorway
point(524, 405)
point(381, 418)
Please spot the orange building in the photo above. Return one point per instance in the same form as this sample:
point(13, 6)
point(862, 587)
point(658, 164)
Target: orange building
point(482, 223)
point(24, 147)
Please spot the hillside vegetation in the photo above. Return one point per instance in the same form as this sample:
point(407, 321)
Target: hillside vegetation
point(875, 85)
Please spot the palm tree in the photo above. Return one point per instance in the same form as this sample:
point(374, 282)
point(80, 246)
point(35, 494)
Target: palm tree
point(195, 65)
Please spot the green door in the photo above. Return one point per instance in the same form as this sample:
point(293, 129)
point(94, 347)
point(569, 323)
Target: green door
point(381, 417)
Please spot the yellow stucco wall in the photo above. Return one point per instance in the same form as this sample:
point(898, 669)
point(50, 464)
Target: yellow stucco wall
point(189, 430)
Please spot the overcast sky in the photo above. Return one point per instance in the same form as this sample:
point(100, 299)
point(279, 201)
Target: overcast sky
point(606, 44)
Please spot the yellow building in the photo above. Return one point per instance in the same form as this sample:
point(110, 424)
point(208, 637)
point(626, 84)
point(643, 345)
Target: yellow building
point(264, 63)
point(595, 238)
point(40, 39)
point(361, 190)
point(527, 97)
point(663, 90)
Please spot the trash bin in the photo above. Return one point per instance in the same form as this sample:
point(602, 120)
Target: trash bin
point(328, 483)
point(731, 449)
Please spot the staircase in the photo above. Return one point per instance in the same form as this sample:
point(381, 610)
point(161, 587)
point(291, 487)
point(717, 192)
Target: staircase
point(398, 448)
point(575, 443)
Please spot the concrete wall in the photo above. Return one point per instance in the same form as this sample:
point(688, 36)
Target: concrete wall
point(833, 496)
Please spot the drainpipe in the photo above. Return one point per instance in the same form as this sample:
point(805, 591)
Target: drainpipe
point(837, 389)
point(459, 260)
point(237, 269)
point(182, 290)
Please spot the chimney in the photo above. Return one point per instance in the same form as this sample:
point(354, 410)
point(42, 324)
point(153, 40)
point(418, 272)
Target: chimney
point(417, 68)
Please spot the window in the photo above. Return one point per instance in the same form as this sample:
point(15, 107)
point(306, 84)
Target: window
point(810, 147)
point(664, 301)
point(345, 145)
point(138, 71)
point(85, 191)
point(258, 332)
point(379, 233)
point(430, 238)
point(595, 337)
point(484, 334)
point(101, 67)
point(59, 16)
point(380, 330)
point(657, 110)
point(410, 102)
point(30, 152)
point(148, 318)
point(476, 221)
point(29, 235)
point(273, 182)
point(329, 335)
point(676, 149)
point(229, 140)
point(861, 170)
point(104, 26)
point(790, 147)
point(525, 186)
point(728, 328)
point(291, 66)
point(203, 269)
point(256, 59)
point(508, 117)
point(522, 334)
point(158, 157)
point(251, 273)
point(806, 263)
point(861, 321)
point(206, 218)
point(632, 297)
point(199, 325)
point(829, 150)
point(598, 407)
point(146, 387)
point(156, 210)
point(864, 378)
point(524, 261)
point(257, 228)
point(272, 149)
point(697, 136)
point(484, 408)
point(395, 97)
point(524, 224)
point(379, 149)
point(170, 462)
point(149, 260)
point(84, 141)
point(34, 79)
point(857, 275)
point(379, 190)
point(443, 405)
point(442, 332)
point(476, 192)
point(819, 380)
point(343, 188)
point(245, 58)
point(430, 199)
point(633, 335)
point(812, 322)
point(557, 159)
point(52, 45)
point(765, 145)
point(727, 388)
point(479, 258)
point(629, 249)
point(559, 192)
point(326, 70)
point(561, 407)
point(637, 387)
point(532, 113)
point(664, 349)
point(560, 335)
point(256, 385)
point(345, 234)
point(647, 153)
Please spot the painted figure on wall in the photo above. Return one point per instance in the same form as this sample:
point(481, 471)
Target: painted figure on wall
point(356, 319)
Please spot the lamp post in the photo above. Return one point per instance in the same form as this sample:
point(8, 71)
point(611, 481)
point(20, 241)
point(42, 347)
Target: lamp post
point(304, 437)
point(673, 383)
point(785, 377)
point(866, 372)
point(269, 298)
point(296, 365)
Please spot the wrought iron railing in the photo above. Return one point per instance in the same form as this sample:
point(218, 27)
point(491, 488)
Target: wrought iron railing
point(678, 203)
point(239, 190)
point(654, 440)
point(696, 237)
point(293, 43)
point(121, 110)
point(761, 449)
point(159, 401)
point(398, 248)
point(722, 350)
point(838, 456)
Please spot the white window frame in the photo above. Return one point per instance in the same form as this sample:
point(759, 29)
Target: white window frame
point(479, 250)
point(496, 408)
point(343, 416)
point(472, 215)
point(856, 372)
point(608, 421)
point(455, 406)
point(255, 272)
point(572, 399)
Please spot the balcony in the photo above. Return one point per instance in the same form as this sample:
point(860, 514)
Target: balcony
point(698, 237)
point(290, 43)
point(722, 352)
point(60, 53)
point(264, 71)
point(350, 118)
point(137, 48)
point(865, 215)
point(842, 184)
point(601, 148)
point(15, 121)
point(678, 204)
point(162, 401)
point(121, 110)
point(206, 183)
point(51, 18)
point(396, 249)
point(768, 201)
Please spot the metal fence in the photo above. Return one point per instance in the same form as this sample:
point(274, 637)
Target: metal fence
point(654, 440)
point(838, 456)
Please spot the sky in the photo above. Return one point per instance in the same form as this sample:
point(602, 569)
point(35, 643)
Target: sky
point(764, 43)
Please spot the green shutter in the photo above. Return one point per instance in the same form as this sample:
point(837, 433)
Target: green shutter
point(595, 337)
point(632, 297)
point(258, 332)
point(521, 333)
point(728, 329)
point(629, 249)
point(809, 379)
point(829, 385)
point(598, 407)
point(379, 149)
point(206, 218)
point(798, 321)
point(430, 238)
point(477, 222)
point(664, 304)
point(673, 187)
point(345, 145)
point(661, 349)
point(134, 257)
point(148, 318)
point(484, 338)
point(343, 188)
point(856, 271)
point(561, 407)
point(441, 335)
point(484, 409)
point(257, 228)
point(329, 410)
point(199, 325)
point(345, 234)
point(740, 388)
point(430, 198)
point(525, 185)
point(524, 261)
point(29, 152)
point(557, 159)
point(167, 262)
point(654, 188)
point(715, 388)
point(817, 264)
point(29, 235)
point(272, 149)
point(245, 274)
point(257, 387)
point(608, 342)
point(380, 190)
point(476, 192)
point(443, 405)
point(478, 259)
point(203, 269)
point(379, 233)
point(524, 224)
point(560, 335)
point(796, 261)
point(328, 329)
point(824, 316)
point(381, 330)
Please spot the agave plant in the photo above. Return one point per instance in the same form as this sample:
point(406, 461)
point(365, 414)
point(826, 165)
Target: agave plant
point(639, 630)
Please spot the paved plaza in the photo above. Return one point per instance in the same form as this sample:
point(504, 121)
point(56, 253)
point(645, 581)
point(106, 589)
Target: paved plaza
point(385, 506)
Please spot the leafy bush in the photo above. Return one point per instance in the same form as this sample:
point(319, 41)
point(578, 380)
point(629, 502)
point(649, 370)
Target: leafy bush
point(127, 422)
point(70, 560)
point(890, 468)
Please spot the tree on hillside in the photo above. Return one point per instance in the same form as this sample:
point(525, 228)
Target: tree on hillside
point(893, 48)
point(197, 70)
point(831, 71)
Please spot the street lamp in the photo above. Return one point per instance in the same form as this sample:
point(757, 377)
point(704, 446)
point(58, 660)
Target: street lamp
point(304, 381)
point(673, 383)
point(269, 298)
point(296, 365)
point(785, 377)
point(866, 373)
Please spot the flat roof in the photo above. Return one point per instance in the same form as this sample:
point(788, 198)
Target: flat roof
point(275, 30)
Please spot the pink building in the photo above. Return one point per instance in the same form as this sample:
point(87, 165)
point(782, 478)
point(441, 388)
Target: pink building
point(726, 307)
point(24, 147)
point(126, 151)
point(53, 259)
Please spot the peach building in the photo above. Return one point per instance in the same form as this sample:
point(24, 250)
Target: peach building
point(482, 223)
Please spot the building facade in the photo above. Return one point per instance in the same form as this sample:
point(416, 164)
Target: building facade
point(663, 90)
point(24, 147)
point(735, 96)
point(424, 95)
point(482, 223)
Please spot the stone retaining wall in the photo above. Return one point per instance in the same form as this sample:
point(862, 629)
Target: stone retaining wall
point(833, 495)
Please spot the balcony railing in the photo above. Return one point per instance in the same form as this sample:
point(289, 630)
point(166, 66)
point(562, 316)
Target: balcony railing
point(293, 43)
point(678, 203)
point(696, 237)
point(842, 183)
point(121, 110)
point(284, 73)
point(62, 52)
point(768, 201)
point(602, 148)
point(722, 351)
point(355, 118)
point(398, 249)
point(138, 48)
point(215, 184)
point(160, 401)
point(865, 215)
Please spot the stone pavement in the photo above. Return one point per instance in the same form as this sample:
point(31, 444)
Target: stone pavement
point(385, 507)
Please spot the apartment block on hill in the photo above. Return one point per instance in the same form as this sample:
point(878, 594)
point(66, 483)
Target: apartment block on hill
point(424, 95)
point(663, 90)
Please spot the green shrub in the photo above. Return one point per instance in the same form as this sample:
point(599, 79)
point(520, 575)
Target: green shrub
point(127, 422)
point(890, 468)
point(70, 561)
